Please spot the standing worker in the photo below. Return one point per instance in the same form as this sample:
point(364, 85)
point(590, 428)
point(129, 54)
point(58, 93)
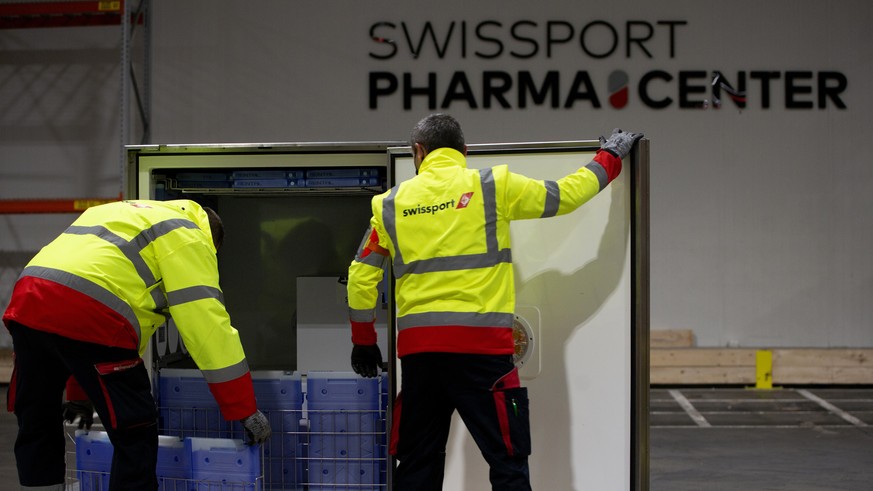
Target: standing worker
point(86, 305)
point(447, 233)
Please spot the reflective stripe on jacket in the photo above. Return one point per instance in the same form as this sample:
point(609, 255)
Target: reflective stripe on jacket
point(447, 233)
point(119, 270)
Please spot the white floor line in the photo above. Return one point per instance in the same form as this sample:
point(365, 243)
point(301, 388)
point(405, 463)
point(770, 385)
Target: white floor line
point(689, 408)
point(757, 413)
point(830, 407)
point(752, 427)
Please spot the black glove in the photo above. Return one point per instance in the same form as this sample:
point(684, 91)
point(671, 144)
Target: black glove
point(620, 142)
point(257, 428)
point(84, 410)
point(366, 359)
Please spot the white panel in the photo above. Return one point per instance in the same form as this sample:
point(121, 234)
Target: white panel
point(575, 269)
point(323, 336)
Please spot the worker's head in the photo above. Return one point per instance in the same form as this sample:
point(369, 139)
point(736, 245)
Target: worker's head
point(433, 132)
point(215, 226)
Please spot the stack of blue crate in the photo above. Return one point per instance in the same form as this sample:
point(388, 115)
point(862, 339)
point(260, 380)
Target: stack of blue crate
point(384, 388)
point(221, 463)
point(187, 408)
point(346, 432)
point(192, 464)
point(174, 462)
point(280, 398)
point(93, 460)
point(346, 414)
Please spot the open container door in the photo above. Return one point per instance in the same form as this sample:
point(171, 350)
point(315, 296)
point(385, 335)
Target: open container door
point(294, 220)
point(582, 295)
point(294, 214)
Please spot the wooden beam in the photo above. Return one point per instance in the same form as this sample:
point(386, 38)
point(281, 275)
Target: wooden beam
point(823, 357)
point(831, 366)
point(671, 338)
point(701, 375)
point(823, 375)
point(702, 357)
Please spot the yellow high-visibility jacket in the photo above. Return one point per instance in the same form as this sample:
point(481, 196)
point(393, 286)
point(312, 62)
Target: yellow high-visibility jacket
point(119, 270)
point(447, 233)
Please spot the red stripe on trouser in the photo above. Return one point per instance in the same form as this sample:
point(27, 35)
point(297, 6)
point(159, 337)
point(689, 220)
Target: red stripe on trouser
point(503, 420)
point(10, 393)
point(106, 369)
point(113, 421)
point(395, 425)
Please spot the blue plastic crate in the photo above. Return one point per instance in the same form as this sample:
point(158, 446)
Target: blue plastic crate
point(384, 400)
point(346, 431)
point(260, 183)
point(344, 475)
point(341, 390)
point(342, 172)
point(174, 462)
point(280, 398)
point(259, 174)
point(339, 182)
point(93, 460)
point(231, 463)
point(187, 407)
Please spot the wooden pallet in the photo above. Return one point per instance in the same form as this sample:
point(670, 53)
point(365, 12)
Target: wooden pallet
point(675, 361)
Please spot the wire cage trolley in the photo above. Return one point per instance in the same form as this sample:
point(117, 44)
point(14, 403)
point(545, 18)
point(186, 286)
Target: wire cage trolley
point(329, 434)
point(329, 430)
point(184, 464)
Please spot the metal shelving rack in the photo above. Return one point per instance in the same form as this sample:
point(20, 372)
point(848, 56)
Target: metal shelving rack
point(132, 16)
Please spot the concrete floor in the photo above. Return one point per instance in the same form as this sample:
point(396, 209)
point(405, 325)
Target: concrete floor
point(722, 439)
point(796, 439)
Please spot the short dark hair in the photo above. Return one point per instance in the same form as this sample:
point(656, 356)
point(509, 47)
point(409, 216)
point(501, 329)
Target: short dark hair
point(438, 130)
point(215, 226)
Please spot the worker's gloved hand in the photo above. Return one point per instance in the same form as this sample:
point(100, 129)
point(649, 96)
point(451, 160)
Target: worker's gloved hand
point(257, 428)
point(366, 359)
point(84, 410)
point(620, 142)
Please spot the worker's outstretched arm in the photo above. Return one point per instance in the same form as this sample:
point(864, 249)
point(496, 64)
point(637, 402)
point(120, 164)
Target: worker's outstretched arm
point(533, 198)
point(365, 274)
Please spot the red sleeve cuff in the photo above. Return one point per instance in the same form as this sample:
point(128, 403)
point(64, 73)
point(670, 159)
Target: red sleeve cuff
point(363, 333)
point(236, 397)
point(610, 163)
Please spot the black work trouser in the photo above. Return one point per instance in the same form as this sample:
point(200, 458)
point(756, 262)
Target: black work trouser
point(115, 380)
point(433, 386)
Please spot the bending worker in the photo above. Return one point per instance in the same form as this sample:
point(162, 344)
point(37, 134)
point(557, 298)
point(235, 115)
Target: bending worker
point(455, 299)
point(86, 305)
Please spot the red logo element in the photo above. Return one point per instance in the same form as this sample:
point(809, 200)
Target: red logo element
point(465, 200)
point(618, 91)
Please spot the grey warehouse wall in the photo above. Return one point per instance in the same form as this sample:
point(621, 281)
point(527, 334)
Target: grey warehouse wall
point(760, 211)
